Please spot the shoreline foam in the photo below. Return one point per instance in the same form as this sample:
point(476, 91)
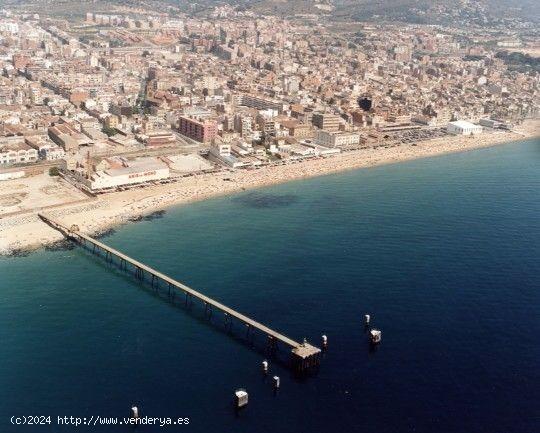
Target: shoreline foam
point(19, 234)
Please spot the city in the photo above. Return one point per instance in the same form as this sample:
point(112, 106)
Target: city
point(231, 100)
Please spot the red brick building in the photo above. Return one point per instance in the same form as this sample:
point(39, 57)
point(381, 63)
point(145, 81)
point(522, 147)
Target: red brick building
point(200, 130)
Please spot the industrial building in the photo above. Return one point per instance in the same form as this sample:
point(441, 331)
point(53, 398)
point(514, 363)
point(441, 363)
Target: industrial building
point(123, 172)
point(462, 127)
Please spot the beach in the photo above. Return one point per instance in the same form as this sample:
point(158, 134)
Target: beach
point(25, 231)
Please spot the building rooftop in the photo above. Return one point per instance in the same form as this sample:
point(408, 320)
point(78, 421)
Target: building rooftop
point(137, 166)
point(463, 124)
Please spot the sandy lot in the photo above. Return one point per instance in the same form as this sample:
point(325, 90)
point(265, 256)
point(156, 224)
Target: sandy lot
point(35, 192)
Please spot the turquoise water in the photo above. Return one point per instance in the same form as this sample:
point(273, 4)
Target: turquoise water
point(443, 252)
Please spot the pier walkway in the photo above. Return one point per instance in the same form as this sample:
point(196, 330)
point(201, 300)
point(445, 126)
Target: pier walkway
point(304, 354)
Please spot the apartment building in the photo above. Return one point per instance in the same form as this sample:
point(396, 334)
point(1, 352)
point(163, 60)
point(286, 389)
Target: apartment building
point(200, 130)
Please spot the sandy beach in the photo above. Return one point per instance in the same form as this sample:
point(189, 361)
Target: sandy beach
point(26, 231)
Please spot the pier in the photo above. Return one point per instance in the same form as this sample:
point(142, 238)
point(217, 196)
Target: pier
point(304, 355)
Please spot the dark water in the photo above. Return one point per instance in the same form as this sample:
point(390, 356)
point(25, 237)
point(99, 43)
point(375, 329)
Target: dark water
point(443, 252)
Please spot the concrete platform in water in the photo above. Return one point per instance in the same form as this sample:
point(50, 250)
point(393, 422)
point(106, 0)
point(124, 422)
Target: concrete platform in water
point(305, 356)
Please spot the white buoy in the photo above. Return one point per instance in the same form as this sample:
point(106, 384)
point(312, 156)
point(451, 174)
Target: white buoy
point(324, 341)
point(241, 398)
point(265, 366)
point(135, 412)
point(367, 318)
point(276, 381)
point(375, 335)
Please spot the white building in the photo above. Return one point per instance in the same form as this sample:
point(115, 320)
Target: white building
point(221, 152)
point(16, 152)
point(51, 152)
point(46, 148)
point(336, 138)
point(126, 173)
point(9, 27)
point(221, 149)
point(462, 127)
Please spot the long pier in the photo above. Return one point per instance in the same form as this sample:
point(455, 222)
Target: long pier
point(304, 354)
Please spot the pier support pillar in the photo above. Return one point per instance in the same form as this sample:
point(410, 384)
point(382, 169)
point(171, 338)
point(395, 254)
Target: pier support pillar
point(271, 344)
point(207, 310)
point(227, 321)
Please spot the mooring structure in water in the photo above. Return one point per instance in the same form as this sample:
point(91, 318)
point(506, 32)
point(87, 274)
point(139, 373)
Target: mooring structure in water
point(304, 355)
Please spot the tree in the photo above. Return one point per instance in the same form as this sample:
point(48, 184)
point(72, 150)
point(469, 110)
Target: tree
point(53, 171)
point(108, 130)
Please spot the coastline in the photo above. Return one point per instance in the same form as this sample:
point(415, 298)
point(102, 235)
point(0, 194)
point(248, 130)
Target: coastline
point(22, 233)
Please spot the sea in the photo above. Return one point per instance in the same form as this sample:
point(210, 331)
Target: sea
point(443, 253)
